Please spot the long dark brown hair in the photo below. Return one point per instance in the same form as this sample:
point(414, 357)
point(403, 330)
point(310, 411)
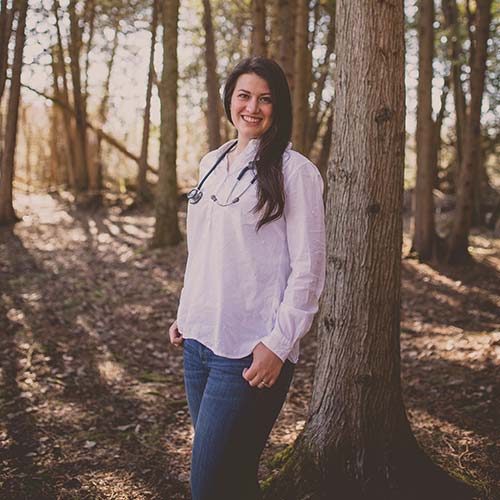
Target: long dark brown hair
point(269, 157)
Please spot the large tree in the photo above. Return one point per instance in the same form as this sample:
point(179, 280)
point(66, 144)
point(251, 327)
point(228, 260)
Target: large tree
point(167, 230)
point(357, 442)
point(7, 214)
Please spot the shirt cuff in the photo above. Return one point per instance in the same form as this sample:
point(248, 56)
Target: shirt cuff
point(279, 345)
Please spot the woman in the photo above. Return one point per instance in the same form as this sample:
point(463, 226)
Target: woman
point(255, 271)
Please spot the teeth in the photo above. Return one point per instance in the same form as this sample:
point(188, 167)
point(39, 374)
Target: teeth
point(251, 120)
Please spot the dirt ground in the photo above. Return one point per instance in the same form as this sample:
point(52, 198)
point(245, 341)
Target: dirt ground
point(92, 404)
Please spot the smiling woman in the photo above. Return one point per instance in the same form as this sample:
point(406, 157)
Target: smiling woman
point(254, 275)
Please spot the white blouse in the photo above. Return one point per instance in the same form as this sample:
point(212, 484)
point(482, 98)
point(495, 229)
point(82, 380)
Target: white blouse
point(242, 287)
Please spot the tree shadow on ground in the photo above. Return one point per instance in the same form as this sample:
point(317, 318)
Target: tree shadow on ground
point(81, 413)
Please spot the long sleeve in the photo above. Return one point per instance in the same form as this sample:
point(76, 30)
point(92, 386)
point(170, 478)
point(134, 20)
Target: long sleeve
point(305, 230)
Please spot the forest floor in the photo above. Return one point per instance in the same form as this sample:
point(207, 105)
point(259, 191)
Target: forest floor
point(92, 404)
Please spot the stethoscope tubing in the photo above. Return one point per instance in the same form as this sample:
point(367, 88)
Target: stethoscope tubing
point(196, 193)
point(221, 157)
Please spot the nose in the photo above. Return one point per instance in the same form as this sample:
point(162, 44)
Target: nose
point(252, 105)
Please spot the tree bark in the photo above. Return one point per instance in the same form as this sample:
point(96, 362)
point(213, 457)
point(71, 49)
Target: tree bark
point(143, 192)
point(455, 55)
point(424, 232)
point(60, 66)
point(6, 18)
point(301, 75)
point(213, 97)
point(81, 170)
point(167, 230)
point(357, 443)
point(7, 214)
point(258, 42)
point(287, 30)
point(458, 240)
point(275, 34)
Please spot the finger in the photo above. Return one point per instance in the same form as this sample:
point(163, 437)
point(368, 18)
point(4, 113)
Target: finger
point(249, 373)
point(257, 380)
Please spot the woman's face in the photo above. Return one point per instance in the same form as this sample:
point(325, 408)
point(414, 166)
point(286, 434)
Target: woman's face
point(251, 106)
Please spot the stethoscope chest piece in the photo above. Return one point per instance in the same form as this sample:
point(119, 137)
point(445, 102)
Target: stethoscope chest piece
point(195, 195)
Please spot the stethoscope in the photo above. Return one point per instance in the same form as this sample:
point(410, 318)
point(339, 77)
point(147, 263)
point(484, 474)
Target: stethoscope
point(195, 195)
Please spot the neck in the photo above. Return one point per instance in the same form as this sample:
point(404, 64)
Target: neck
point(242, 144)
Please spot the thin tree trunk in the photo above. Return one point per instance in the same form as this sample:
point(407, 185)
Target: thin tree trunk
point(455, 55)
point(166, 224)
point(6, 18)
point(326, 146)
point(258, 42)
point(143, 192)
point(301, 75)
point(314, 117)
point(60, 66)
point(90, 13)
point(81, 177)
point(7, 214)
point(103, 108)
point(424, 232)
point(213, 116)
point(287, 29)
point(458, 240)
point(357, 443)
point(436, 152)
point(275, 34)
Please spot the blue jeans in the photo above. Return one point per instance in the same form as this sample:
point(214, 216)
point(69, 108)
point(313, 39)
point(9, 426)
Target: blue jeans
point(231, 421)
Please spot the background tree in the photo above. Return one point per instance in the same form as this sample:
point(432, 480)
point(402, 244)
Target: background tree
point(167, 230)
point(424, 233)
point(7, 214)
point(458, 240)
point(258, 42)
point(212, 80)
point(357, 442)
point(142, 188)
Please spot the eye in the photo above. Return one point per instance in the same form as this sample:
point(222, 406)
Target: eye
point(242, 96)
point(266, 100)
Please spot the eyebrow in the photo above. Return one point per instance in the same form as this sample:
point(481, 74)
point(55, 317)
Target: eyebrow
point(248, 92)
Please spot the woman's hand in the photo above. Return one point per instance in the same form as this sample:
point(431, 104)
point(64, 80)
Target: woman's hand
point(265, 368)
point(175, 335)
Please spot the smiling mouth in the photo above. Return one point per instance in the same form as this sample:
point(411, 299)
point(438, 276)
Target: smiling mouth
point(250, 119)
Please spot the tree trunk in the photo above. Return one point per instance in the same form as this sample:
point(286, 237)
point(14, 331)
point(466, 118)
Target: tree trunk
point(166, 224)
point(258, 42)
point(324, 69)
point(89, 16)
point(81, 171)
point(275, 34)
point(455, 55)
point(6, 18)
point(287, 30)
point(424, 232)
point(357, 443)
point(326, 146)
point(438, 125)
point(213, 97)
point(143, 192)
point(60, 67)
point(458, 240)
point(7, 214)
point(104, 106)
point(301, 76)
